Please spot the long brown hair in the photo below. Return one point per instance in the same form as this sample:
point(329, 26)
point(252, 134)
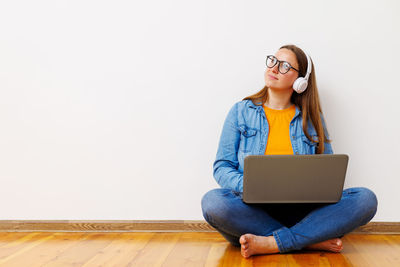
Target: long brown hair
point(308, 101)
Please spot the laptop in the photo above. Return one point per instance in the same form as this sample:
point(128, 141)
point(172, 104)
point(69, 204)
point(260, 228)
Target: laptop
point(317, 178)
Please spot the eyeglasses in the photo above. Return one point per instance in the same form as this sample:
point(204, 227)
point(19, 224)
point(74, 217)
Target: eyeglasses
point(283, 66)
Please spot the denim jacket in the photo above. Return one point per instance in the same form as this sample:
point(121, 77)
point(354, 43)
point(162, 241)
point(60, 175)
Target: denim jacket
point(245, 132)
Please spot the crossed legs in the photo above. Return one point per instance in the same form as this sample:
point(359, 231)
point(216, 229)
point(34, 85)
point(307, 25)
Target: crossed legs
point(272, 228)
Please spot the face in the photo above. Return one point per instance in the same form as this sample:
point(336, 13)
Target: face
point(278, 81)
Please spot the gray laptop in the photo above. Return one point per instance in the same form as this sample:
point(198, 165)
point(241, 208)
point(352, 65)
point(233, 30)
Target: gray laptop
point(315, 178)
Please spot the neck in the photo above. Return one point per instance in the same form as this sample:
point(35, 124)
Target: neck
point(279, 99)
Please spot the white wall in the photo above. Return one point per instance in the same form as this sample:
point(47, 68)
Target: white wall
point(113, 109)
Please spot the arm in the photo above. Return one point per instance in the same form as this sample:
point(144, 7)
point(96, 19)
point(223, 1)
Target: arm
point(226, 163)
point(328, 146)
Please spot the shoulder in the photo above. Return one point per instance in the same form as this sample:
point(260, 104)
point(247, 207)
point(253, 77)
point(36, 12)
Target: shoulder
point(245, 112)
point(244, 105)
point(242, 110)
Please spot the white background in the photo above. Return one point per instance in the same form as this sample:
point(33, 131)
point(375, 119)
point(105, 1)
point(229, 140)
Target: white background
point(113, 109)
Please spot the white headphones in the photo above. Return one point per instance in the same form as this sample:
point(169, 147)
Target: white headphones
point(300, 84)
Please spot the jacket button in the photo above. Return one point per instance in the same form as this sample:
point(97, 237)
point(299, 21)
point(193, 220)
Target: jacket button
point(291, 124)
point(297, 153)
point(293, 136)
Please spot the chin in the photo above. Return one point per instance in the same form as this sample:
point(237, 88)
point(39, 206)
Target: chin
point(268, 83)
point(271, 85)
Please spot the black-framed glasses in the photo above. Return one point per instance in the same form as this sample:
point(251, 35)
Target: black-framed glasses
point(283, 66)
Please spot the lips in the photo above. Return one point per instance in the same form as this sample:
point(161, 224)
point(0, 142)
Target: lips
point(272, 77)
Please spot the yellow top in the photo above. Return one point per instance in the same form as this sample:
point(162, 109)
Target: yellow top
point(279, 135)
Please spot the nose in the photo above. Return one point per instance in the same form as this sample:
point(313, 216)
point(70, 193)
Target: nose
point(274, 69)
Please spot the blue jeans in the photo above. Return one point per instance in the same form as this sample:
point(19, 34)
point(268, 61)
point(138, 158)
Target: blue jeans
point(293, 226)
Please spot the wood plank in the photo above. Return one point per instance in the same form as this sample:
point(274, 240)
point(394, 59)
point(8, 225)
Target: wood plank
point(232, 257)
point(150, 226)
point(6, 237)
point(81, 252)
point(306, 257)
point(377, 250)
point(190, 250)
point(18, 246)
point(337, 259)
point(351, 253)
point(121, 251)
point(275, 260)
point(180, 249)
point(216, 253)
point(48, 250)
point(156, 250)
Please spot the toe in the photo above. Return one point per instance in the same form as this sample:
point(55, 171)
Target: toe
point(338, 249)
point(244, 253)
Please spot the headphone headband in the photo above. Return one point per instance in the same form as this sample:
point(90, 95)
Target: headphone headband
point(309, 66)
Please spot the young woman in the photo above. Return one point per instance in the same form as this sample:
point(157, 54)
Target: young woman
point(282, 118)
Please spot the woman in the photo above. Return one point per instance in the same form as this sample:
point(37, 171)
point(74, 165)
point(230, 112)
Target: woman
point(282, 118)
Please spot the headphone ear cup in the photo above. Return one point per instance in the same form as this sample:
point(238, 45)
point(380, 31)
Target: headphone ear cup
point(300, 85)
point(296, 84)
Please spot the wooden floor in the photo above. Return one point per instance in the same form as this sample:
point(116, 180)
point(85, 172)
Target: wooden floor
point(179, 249)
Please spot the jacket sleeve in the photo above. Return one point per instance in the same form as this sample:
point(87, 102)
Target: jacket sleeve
point(328, 146)
point(225, 167)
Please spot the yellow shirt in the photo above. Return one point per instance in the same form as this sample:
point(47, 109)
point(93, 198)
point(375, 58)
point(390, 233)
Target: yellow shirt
point(279, 135)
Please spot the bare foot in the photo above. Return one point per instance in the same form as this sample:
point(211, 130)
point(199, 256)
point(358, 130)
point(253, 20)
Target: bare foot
point(333, 245)
point(255, 244)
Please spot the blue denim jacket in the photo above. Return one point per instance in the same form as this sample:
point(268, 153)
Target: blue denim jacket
point(245, 132)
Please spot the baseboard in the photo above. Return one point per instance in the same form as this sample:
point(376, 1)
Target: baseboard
point(150, 226)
